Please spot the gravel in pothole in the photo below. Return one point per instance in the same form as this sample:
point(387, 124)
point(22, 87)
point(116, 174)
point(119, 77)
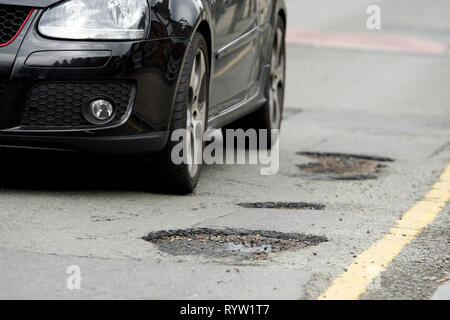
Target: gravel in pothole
point(336, 166)
point(236, 243)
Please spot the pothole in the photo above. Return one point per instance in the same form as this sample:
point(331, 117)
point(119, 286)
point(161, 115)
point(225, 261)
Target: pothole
point(337, 166)
point(283, 205)
point(236, 243)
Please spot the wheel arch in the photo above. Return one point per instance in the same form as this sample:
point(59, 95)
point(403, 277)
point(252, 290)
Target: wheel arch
point(205, 30)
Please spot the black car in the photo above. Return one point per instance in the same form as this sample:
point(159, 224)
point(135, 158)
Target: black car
point(119, 76)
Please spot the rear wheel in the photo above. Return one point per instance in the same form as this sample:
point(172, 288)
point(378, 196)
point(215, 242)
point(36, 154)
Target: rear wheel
point(274, 108)
point(270, 116)
point(191, 115)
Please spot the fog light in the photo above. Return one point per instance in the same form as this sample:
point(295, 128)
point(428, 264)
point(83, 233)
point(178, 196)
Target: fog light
point(98, 110)
point(101, 110)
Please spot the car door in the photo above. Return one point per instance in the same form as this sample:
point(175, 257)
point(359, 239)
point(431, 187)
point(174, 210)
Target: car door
point(236, 27)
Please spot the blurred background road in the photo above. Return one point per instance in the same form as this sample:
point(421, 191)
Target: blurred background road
point(418, 18)
point(383, 95)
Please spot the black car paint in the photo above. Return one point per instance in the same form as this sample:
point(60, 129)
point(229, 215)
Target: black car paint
point(154, 64)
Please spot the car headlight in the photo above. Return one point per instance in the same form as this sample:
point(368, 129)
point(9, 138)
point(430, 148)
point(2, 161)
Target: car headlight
point(96, 19)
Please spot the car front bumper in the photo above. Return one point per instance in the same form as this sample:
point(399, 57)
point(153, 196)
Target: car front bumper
point(151, 66)
point(129, 144)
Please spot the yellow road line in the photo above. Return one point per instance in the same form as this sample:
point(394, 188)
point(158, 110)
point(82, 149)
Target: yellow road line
point(368, 265)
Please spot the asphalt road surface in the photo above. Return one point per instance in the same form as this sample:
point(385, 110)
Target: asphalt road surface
point(382, 94)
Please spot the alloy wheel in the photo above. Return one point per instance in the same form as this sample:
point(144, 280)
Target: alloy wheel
point(276, 93)
point(196, 113)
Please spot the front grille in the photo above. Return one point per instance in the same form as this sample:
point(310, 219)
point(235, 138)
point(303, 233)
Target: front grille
point(60, 104)
point(12, 19)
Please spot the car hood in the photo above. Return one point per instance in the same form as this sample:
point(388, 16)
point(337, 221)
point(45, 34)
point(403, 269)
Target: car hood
point(31, 3)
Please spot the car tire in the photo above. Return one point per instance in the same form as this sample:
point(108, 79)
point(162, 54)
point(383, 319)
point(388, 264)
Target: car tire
point(190, 112)
point(270, 115)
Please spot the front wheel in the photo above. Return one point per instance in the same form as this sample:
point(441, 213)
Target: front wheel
point(190, 117)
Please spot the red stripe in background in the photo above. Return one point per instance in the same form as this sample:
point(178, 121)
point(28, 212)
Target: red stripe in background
point(361, 41)
point(20, 29)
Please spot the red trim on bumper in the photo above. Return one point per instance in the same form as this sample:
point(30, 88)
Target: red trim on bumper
point(20, 29)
